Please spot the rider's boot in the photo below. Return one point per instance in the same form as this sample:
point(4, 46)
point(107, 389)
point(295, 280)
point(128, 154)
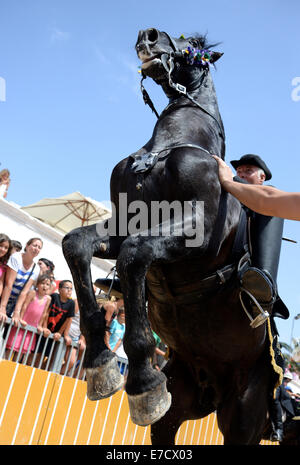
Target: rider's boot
point(277, 434)
point(258, 281)
point(275, 412)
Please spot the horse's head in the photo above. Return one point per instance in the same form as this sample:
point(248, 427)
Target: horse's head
point(184, 59)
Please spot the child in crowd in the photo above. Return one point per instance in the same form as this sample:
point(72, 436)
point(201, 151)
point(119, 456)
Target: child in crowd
point(35, 306)
point(5, 251)
point(157, 352)
point(117, 330)
point(110, 307)
point(77, 338)
point(47, 267)
point(16, 246)
point(4, 182)
point(58, 319)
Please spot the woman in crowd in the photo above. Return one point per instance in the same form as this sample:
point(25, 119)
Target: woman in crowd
point(21, 274)
point(5, 251)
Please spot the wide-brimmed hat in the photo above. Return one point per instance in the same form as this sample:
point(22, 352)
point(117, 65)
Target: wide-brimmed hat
point(288, 375)
point(250, 159)
point(110, 286)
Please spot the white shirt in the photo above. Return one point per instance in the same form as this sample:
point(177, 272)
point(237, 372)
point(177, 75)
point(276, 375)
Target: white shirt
point(15, 262)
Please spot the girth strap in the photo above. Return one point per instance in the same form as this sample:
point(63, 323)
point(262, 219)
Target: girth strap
point(146, 161)
point(189, 293)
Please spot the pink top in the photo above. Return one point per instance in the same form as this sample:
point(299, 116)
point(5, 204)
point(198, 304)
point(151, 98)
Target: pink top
point(34, 311)
point(32, 316)
point(2, 269)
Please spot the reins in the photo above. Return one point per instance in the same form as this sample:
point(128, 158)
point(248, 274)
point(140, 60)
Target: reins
point(146, 97)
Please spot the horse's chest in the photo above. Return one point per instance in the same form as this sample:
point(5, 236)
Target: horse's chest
point(148, 187)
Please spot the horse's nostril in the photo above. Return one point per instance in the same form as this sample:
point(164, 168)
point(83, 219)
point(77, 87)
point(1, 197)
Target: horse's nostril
point(152, 35)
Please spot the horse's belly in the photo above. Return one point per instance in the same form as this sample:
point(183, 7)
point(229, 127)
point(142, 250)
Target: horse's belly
point(208, 327)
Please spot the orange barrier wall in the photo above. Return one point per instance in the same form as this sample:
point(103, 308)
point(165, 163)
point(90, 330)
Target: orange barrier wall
point(43, 408)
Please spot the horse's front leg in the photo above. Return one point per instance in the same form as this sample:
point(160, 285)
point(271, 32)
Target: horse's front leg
point(79, 246)
point(148, 397)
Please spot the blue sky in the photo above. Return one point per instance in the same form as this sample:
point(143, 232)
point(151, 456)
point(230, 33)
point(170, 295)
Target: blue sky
point(72, 106)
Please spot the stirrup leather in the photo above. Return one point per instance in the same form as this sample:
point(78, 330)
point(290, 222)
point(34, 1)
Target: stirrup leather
point(259, 319)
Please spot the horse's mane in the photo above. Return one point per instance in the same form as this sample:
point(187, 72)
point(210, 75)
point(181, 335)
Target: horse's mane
point(202, 41)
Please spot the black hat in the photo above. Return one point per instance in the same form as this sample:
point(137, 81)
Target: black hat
point(113, 287)
point(255, 160)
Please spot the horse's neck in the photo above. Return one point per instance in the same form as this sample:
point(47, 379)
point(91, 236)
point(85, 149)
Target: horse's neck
point(205, 96)
point(183, 121)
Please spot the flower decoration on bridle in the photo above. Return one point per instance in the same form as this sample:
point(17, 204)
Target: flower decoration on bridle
point(198, 57)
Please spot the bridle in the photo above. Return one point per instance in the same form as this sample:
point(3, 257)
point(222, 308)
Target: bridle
point(145, 161)
point(168, 60)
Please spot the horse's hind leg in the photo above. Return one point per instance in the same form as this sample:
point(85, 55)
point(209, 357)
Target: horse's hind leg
point(79, 246)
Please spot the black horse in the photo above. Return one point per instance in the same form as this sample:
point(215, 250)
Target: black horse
point(217, 362)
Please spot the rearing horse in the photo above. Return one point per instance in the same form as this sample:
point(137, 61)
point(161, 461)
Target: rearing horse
point(217, 361)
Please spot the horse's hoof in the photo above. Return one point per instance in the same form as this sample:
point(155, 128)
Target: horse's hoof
point(149, 407)
point(104, 380)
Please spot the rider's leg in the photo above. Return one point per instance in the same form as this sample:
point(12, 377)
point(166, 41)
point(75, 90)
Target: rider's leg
point(265, 237)
point(260, 278)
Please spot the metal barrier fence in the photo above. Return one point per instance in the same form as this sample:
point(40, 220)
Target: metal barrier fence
point(62, 359)
point(51, 407)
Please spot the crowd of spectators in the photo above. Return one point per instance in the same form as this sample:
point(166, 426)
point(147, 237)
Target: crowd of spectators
point(30, 295)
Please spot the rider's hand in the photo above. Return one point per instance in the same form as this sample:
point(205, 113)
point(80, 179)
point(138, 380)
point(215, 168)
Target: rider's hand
point(225, 173)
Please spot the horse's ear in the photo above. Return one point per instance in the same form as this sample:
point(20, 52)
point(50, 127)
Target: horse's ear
point(214, 56)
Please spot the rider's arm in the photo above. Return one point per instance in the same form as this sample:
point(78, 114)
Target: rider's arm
point(265, 200)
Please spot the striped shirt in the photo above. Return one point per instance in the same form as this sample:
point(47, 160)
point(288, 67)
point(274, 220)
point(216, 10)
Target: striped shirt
point(15, 262)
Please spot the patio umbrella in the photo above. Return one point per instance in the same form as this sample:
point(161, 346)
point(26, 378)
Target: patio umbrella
point(69, 211)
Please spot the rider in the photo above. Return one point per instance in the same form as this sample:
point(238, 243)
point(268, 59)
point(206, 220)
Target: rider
point(259, 279)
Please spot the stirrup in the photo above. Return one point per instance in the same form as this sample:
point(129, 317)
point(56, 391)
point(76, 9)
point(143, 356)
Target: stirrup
point(259, 283)
point(261, 318)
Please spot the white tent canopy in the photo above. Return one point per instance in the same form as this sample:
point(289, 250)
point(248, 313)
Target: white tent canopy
point(69, 211)
point(20, 225)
